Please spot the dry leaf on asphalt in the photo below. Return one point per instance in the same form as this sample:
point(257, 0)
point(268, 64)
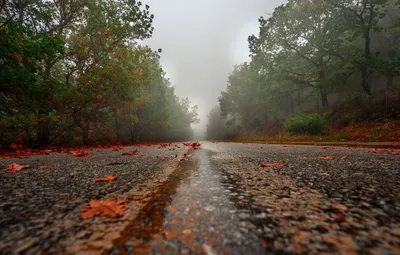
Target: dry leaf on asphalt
point(14, 167)
point(106, 207)
point(326, 158)
point(80, 153)
point(131, 153)
point(107, 178)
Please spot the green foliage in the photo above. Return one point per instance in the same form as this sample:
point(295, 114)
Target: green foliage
point(303, 123)
point(313, 50)
point(74, 73)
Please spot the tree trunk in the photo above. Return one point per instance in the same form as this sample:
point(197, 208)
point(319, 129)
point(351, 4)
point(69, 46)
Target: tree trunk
point(85, 134)
point(389, 83)
point(42, 134)
point(322, 88)
point(43, 129)
point(364, 70)
point(324, 98)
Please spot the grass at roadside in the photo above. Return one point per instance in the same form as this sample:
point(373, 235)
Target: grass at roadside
point(388, 131)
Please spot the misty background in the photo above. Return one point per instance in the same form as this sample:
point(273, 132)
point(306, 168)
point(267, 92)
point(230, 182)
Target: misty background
point(201, 41)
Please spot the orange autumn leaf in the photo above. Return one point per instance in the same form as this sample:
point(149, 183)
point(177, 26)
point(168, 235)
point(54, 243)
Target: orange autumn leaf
point(117, 148)
point(107, 178)
point(80, 153)
point(326, 158)
point(273, 164)
point(194, 145)
point(339, 218)
point(131, 153)
point(14, 167)
point(108, 208)
point(45, 167)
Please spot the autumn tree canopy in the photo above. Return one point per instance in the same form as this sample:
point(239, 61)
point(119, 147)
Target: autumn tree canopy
point(73, 72)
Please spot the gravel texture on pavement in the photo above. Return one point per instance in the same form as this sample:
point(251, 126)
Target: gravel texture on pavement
point(216, 200)
point(41, 207)
point(349, 204)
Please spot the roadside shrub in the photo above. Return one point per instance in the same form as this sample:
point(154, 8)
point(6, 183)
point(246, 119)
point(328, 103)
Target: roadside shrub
point(303, 123)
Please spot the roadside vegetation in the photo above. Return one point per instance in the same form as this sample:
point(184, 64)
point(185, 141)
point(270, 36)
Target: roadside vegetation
point(319, 70)
point(75, 73)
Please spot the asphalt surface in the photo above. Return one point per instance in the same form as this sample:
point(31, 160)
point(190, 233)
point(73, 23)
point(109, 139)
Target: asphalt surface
point(216, 201)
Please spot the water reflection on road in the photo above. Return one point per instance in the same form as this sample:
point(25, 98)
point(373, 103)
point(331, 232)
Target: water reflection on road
point(194, 212)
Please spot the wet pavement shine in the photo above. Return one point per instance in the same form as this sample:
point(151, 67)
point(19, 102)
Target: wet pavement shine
point(196, 211)
point(209, 199)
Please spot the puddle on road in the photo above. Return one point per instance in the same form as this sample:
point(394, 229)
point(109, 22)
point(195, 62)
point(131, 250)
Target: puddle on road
point(192, 213)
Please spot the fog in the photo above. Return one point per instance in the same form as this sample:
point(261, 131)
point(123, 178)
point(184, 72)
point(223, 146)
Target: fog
point(201, 42)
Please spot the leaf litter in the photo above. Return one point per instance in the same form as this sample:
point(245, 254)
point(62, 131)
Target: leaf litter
point(107, 208)
point(107, 178)
point(14, 167)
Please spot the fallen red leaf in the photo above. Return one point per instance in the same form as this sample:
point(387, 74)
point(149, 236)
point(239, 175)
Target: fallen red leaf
point(194, 145)
point(45, 167)
point(273, 164)
point(361, 138)
point(107, 178)
point(107, 208)
point(14, 167)
point(326, 158)
point(80, 153)
point(339, 218)
point(376, 150)
point(117, 148)
point(131, 153)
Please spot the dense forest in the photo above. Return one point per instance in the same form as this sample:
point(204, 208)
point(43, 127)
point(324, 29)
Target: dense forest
point(74, 72)
point(310, 56)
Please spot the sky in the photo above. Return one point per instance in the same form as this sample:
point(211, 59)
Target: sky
point(201, 41)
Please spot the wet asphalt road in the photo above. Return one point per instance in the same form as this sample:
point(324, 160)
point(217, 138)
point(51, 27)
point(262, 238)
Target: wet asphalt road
point(218, 201)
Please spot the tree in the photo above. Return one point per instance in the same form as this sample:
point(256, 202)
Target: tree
point(73, 70)
point(363, 16)
point(23, 49)
point(302, 40)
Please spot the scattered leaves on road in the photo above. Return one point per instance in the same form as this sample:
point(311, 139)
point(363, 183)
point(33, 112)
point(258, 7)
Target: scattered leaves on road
point(107, 178)
point(117, 148)
point(14, 167)
point(388, 151)
point(194, 145)
point(131, 153)
point(326, 158)
point(273, 164)
point(80, 153)
point(106, 207)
